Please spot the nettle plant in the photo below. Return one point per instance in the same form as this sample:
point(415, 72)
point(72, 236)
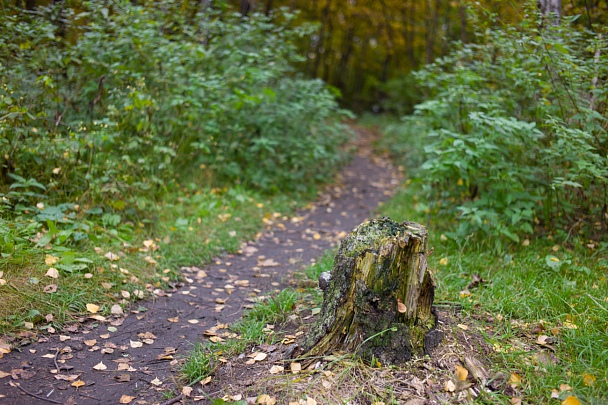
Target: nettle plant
point(516, 129)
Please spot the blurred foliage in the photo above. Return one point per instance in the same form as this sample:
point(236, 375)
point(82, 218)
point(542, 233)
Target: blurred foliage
point(513, 131)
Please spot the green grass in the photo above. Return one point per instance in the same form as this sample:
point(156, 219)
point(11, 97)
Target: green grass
point(528, 294)
point(184, 229)
point(251, 329)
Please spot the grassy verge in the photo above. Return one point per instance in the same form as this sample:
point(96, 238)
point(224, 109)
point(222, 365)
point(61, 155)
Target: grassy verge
point(542, 304)
point(49, 278)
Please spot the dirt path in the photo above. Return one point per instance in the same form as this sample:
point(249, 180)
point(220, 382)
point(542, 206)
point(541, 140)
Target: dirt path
point(131, 349)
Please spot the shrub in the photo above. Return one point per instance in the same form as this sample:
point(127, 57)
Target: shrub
point(515, 129)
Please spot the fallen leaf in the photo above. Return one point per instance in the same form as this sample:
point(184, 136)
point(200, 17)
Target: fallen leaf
point(443, 261)
point(126, 399)
point(571, 400)
point(260, 356)
point(116, 309)
point(174, 320)
point(64, 377)
point(276, 369)
point(186, 391)
point(3, 374)
point(78, 383)
point(63, 338)
point(206, 380)
point(92, 308)
point(193, 321)
point(156, 382)
point(100, 366)
point(449, 386)
point(570, 325)
point(461, 373)
point(52, 273)
point(312, 401)
point(111, 256)
point(514, 380)
point(463, 327)
point(50, 260)
point(515, 401)
point(135, 344)
point(49, 289)
point(266, 399)
point(589, 379)
point(268, 263)
point(295, 367)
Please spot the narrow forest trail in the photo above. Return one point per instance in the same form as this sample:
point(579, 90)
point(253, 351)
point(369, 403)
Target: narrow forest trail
point(133, 355)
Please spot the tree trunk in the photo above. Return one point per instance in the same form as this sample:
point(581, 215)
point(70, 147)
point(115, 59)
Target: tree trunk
point(378, 298)
point(551, 8)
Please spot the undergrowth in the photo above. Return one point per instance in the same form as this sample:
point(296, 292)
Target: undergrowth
point(140, 139)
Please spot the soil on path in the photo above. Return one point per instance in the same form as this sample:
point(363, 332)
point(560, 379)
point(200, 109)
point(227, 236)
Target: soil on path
point(136, 350)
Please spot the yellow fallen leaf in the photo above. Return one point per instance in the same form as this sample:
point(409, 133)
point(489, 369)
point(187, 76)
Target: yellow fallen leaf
point(515, 380)
point(206, 380)
point(461, 373)
point(78, 383)
point(571, 400)
point(174, 320)
point(50, 260)
point(443, 261)
point(265, 399)
point(570, 325)
point(589, 379)
point(92, 308)
point(463, 327)
point(126, 399)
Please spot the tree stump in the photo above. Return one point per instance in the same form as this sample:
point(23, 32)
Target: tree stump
point(378, 298)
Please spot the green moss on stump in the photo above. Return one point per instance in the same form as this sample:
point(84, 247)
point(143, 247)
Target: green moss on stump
point(379, 264)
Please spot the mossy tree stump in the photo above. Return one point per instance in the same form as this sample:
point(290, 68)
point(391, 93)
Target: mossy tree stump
point(378, 298)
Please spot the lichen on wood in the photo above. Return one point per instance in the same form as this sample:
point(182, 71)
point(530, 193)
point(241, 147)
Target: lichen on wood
point(378, 300)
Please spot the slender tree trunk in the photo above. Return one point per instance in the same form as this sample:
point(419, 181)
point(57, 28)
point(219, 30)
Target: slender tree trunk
point(551, 9)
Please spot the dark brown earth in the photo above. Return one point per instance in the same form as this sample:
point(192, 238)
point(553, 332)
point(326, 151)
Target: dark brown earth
point(175, 320)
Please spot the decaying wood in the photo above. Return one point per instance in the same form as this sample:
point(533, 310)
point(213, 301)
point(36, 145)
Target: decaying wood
point(378, 298)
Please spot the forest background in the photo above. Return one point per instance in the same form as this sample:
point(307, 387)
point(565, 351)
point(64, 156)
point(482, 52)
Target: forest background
point(133, 131)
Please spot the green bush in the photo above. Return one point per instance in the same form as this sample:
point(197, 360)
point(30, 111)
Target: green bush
point(514, 129)
point(116, 100)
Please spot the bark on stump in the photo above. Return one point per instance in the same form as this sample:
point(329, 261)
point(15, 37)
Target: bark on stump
point(378, 299)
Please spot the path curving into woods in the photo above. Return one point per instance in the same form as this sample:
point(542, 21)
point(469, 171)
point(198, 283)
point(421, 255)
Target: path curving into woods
point(137, 355)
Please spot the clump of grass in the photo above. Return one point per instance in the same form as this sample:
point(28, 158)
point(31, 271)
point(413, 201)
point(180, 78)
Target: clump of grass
point(251, 330)
point(323, 263)
point(199, 363)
